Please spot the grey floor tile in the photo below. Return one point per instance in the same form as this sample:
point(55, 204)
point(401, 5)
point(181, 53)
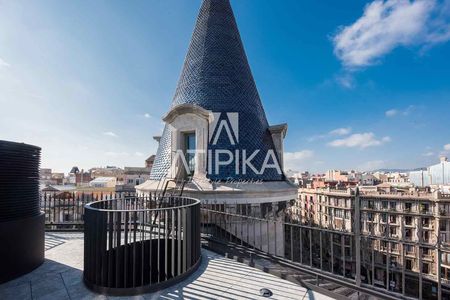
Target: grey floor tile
point(51, 287)
point(21, 291)
point(61, 277)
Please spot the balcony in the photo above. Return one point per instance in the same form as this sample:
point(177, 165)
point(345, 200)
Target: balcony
point(427, 255)
point(135, 245)
point(224, 231)
point(61, 277)
point(393, 221)
point(395, 250)
point(411, 254)
point(113, 253)
point(408, 235)
point(425, 209)
point(408, 221)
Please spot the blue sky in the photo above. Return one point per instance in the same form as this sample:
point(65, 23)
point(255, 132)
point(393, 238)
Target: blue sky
point(362, 84)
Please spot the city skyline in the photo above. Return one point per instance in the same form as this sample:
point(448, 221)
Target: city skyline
point(309, 140)
point(89, 82)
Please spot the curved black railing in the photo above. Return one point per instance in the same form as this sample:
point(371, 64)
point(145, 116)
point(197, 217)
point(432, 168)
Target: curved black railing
point(135, 245)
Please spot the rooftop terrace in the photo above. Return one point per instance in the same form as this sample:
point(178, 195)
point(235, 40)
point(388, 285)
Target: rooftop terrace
point(60, 277)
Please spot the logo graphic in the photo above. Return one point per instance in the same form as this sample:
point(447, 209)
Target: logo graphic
point(240, 160)
point(224, 121)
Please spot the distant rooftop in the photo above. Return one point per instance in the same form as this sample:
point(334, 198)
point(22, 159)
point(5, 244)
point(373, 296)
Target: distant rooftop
point(136, 170)
point(103, 179)
point(59, 188)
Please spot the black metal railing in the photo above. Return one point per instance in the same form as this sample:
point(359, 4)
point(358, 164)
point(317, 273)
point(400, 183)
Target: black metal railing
point(328, 253)
point(135, 244)
point(270, 229)
point(65, 210)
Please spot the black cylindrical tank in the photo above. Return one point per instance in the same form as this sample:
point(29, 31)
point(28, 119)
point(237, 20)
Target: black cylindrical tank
point(21, 221)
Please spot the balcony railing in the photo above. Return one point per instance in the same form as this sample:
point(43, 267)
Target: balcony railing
point(134, 245)
point(65, 211)
point(327, 251)
point(269, 228)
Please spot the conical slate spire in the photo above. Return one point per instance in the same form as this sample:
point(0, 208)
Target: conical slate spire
point(216, 76)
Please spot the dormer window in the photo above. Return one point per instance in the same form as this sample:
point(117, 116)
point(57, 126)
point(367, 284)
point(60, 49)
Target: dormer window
point(189, 150)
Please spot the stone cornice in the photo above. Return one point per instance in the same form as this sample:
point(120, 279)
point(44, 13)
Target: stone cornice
point(280, 128)
point(186, 109)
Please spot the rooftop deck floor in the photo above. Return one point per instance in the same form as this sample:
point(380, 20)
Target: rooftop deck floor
point(60, 277)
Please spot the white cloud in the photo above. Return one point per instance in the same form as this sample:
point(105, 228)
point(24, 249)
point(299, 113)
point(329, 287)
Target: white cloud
point(408, 110)
point(391, 113)
point(110, 133)
point(372, 165)
point(360, 140)
point(341, 131)
point(404, 112)
point(386, 25)
point(447, 147)
point(116, 154)
point(3, 63)
point(294, 160)
point(316, 137)
point(428, 154)
point(335, 132)
point(299, 155)
point(147, 115)
point(137, 153)
point(346, 80)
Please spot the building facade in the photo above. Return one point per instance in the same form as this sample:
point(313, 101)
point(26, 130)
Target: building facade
point(103, 182)
point(404, 237)
point(438, 174)
point(136, 175)
point(108, 171)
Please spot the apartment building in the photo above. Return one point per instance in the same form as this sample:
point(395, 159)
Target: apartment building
point(404, 237)
point(135, 175)
point(438, 174)
point(47, 177)
point(109, 171)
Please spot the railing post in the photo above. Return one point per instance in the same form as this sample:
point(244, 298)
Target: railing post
point(332, 251)
point(310, 248)
point(420, 272)
point(292, 240)
point(343, 253)
point(301, 244)
point(357, 237)
point(438, 266)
